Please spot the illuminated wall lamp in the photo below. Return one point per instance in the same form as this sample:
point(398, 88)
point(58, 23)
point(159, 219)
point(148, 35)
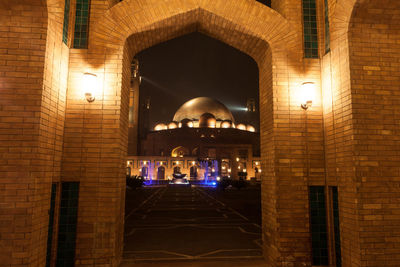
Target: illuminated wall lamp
point(307, 94)
point(89, 85)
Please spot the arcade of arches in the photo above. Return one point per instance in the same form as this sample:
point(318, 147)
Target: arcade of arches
point(55, 144)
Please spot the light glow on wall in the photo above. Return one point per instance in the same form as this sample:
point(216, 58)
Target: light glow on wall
point(90, 85)
point(307, 94)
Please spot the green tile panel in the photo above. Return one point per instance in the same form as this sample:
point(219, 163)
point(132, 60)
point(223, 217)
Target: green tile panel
point(310, 29)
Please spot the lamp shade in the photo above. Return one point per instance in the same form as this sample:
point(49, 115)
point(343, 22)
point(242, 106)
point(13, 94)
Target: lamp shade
point(307, 92)
point(90, 86)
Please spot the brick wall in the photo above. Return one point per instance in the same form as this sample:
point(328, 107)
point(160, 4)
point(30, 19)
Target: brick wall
point(353, 131)
point(33, 77)
point(374, 49)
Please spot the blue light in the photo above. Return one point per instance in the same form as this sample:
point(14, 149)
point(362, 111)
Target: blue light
point(214, 183)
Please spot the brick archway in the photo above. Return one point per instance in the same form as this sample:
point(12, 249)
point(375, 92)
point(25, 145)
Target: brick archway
point(131, 26)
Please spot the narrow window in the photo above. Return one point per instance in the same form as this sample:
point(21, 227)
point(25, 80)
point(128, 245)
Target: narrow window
point(327, 35)
point(336, 227)
point(66, 22)
point(67, 224)
point(310, 29)
point(319, 235)
point(51, 224)
point(81, 24)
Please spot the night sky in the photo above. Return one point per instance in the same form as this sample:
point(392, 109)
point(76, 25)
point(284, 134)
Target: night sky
point(196, 65)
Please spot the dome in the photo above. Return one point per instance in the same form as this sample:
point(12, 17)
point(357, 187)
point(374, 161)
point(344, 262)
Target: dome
point(207, 120)
point(226, 124)
point(196, 107)
point(250, 128)
point(241, 127)
point(160, 126)
point(172, 125)
point(187, 123)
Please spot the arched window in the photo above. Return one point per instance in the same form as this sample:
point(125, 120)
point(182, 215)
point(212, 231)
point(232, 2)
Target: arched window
point(177, 169)
point(193, 172)
point(145, 171)
point(161, 173)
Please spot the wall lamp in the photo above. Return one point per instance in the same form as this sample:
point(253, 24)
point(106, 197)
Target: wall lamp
point(89, 85)
point(307, 94)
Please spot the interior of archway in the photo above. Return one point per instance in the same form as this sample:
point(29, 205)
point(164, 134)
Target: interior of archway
point(143, 36)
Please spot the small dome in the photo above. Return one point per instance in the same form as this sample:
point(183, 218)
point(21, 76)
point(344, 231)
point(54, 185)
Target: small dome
point(196, 107)
point(226, 124)
point(250, 128)
point(207, 120)
point(186, 123)
point(241, 127)
point(172, 125)
point(160, 126)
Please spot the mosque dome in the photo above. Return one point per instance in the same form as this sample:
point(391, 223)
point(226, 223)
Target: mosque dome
point(241, 127)
point(250, 128)
point(172, 125)
point(226, 124)
point(160, 126)
point(195, 108)
point(207, 120)
point(186, 123)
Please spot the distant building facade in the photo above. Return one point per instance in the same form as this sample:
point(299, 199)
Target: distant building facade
point(203, 141)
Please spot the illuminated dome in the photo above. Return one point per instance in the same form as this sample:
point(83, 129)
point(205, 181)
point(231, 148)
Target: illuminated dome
point(187, 123)
point(241, 127)
point(250, 128)
point(172, 125)
point(160, 126)
point(207, 120)
point(226, 124)
point(193, 109)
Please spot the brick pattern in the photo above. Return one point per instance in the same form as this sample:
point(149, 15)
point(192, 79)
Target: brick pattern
point(51, 134)
point(356, 159)
point(33, 84)
point(374, 47)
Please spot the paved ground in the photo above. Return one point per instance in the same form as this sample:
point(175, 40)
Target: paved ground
point(186, 226)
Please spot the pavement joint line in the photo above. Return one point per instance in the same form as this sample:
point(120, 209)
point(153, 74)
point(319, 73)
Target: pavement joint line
point(204, 256)
point(144, 202)
point(198, 226)
point(258, 242)
point(225, 250)
point(136, 260)
point(234, 211)
point(159, 251)
point(247, 232)
point(152, 205)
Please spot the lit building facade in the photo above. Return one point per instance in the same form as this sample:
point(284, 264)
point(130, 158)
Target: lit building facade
point(203, 132)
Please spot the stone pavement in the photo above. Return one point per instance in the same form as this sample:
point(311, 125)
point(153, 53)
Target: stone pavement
point(185, 226)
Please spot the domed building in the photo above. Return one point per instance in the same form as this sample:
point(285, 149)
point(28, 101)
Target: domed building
point(203, 112)
point(203, 140)
point(195, 108)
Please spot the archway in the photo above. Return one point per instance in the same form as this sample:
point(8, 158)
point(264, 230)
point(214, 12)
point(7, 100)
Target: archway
point(193, 172)
point(161, 173)
point(267, 38)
